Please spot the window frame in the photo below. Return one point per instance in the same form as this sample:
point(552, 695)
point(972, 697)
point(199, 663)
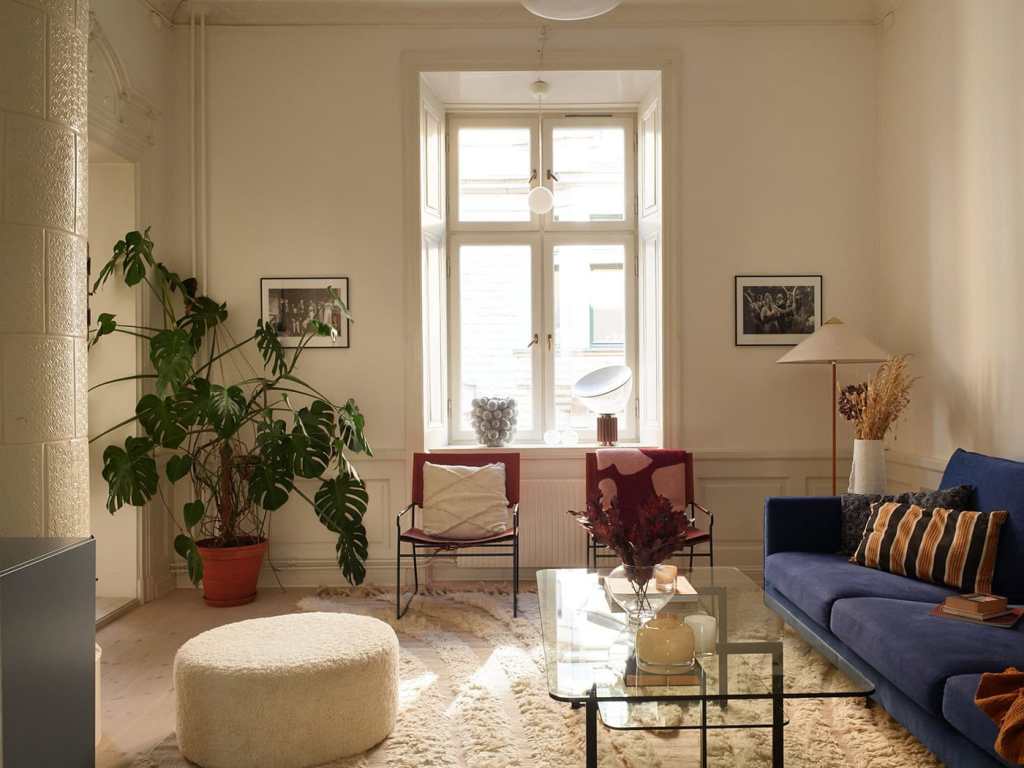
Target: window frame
point(543, 234)
point(628, 425)
point(457, 434)
point(455, 122)
point(629, 139)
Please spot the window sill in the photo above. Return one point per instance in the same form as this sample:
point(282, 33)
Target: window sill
point(530, 451)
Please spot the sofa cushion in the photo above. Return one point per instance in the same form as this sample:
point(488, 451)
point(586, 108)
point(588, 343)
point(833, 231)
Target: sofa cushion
point(857, 509)
point(941, 546)
point(999, 484)
point(918, 652)
point(814, 581)
point(960, 711)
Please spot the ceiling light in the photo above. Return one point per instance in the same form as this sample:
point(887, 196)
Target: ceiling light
point(569, 10)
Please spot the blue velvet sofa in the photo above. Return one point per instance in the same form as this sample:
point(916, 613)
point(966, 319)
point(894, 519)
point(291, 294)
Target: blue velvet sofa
point(925, 669)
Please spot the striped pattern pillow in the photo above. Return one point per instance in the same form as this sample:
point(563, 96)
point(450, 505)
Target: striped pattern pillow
point(942, 546)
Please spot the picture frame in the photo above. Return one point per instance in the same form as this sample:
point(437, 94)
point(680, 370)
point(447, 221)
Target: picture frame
point(776, 310)
point(288, 301)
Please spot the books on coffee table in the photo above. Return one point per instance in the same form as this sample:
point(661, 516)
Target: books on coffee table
point(636, 677)
point(618, 585)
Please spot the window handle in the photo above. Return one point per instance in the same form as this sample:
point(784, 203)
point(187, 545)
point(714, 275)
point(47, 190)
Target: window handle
point(550, 339)
point(551, 175)
point(536, 339)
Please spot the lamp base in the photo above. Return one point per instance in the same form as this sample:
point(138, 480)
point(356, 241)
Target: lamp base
point(607, 429)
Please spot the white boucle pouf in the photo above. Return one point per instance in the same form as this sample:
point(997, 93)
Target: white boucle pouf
point(286, 692)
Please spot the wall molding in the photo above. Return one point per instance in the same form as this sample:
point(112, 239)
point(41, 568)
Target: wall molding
point(510, 14)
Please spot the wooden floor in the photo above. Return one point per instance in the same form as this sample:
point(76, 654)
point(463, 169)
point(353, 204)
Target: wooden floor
point(138, 653)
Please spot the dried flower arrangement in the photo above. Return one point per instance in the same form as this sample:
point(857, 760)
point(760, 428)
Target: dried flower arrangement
point(877, 404)
point(641, 537)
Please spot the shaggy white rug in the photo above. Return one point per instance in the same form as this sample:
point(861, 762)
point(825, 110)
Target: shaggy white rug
point(473, 695)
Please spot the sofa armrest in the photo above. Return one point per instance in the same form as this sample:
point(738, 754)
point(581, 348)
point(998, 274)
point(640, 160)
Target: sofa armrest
point(801, 524)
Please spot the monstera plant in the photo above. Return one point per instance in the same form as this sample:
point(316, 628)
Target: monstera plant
point(246, 445)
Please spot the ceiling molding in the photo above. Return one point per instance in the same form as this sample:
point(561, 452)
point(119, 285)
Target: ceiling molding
point(508, 13)
point(120, 116)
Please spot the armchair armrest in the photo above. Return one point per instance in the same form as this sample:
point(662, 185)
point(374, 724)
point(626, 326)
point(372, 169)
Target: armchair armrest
point(705, 510)
point(400, 515)
point(801, 524)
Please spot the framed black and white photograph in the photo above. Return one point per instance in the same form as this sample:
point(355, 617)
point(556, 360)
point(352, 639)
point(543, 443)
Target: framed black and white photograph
point(777, 310)
point(290, 303)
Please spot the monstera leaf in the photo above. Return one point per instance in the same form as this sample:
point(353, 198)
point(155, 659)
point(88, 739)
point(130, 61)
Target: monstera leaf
point(270, 348)
point(131, 256)
point(272, 479)
point(177, 467)
point(105, 324)
point(186, 547)
point(341, 504)
point(130, 473)
point(202, 314)
point(352, 424)
point(311, 439)
point(225, 408)
point(162, 420)
point(171, 353)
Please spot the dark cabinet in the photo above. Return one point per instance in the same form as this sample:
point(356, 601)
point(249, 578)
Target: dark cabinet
point(47, 656)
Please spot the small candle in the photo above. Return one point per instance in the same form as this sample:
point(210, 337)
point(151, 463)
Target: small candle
point(665, 578)
point(705, 633)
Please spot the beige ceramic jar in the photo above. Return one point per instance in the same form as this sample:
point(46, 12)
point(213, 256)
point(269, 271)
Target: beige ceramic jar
point(664, 645)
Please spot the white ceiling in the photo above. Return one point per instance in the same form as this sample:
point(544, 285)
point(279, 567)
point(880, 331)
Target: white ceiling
point(568, 88)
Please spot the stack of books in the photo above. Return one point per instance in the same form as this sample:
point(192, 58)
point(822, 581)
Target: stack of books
point(636, 677)
point(979, 608)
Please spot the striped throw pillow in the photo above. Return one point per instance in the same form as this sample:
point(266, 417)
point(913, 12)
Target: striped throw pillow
point(942, 546)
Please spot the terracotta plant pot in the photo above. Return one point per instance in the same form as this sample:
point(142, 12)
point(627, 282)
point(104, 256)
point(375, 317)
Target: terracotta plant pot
point(230, 573)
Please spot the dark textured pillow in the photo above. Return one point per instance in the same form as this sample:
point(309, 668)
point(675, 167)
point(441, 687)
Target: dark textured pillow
point(943, 546)
point(959, 497)
point(856, 508)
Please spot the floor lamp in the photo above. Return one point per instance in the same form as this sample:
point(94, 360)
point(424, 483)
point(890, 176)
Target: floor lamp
point(834, 343)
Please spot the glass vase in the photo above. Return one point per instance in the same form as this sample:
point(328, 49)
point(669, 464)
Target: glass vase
point(635, 593)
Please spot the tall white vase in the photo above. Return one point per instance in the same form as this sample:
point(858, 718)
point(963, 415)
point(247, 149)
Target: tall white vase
point(868, 472)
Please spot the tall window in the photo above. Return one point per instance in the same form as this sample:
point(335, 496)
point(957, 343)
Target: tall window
point(538, 301)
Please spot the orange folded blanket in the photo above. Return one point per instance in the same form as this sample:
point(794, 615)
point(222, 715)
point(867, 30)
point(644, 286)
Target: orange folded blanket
point(1000, 695)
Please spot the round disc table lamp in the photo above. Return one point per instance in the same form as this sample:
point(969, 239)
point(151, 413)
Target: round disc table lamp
point(605, 392)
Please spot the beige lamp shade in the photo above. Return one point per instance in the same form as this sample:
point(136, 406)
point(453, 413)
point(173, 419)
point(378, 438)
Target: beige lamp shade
point(835, 342)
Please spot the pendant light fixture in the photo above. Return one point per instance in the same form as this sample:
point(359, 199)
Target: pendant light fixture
point(540, 200)
point(569, 10)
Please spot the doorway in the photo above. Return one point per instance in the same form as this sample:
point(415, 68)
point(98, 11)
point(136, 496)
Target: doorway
point(112, 213)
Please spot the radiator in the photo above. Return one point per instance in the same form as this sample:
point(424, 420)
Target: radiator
point(548, 536)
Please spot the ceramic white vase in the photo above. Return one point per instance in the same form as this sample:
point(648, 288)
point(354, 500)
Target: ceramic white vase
point(868, 472)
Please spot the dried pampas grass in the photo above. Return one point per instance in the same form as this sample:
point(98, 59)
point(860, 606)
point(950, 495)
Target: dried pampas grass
point(876, 405)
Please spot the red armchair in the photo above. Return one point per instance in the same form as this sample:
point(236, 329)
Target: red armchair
point(505, 543)
point(696, 536)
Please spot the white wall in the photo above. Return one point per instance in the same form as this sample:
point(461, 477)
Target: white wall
point(777, 175)
point(129, 110)
point(111, 214)
point(951, 211)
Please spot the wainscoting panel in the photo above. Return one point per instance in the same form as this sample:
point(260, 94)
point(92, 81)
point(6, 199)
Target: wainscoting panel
point(732, 484)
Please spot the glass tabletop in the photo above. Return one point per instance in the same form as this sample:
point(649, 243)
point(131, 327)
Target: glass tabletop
point(587, 647)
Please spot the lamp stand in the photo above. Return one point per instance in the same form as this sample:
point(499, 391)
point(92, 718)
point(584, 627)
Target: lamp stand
point(834, 406)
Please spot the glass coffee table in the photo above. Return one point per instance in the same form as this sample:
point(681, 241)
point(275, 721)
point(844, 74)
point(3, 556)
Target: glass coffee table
point(743, 684)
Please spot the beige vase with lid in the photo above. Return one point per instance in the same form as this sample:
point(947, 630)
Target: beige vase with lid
point(664, 645)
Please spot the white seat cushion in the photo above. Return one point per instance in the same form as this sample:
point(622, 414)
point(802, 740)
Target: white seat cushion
point(464, 502)
point(286, 692)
